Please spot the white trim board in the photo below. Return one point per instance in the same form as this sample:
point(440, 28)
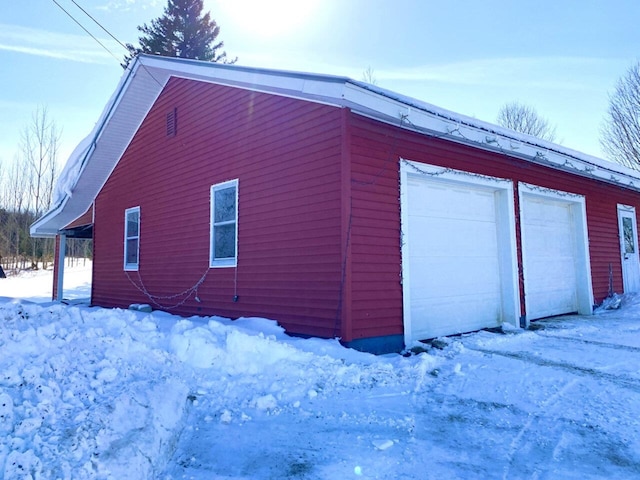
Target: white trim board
point(505, 235)
point(579, 243)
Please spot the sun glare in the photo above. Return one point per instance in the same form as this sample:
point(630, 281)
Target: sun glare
point(270, 18)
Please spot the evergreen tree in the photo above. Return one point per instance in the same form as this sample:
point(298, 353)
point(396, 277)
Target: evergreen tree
point(182, 31)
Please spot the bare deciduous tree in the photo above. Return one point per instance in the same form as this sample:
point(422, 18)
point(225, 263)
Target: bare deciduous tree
point(620, 138)
point(369, 76)
point(15, 217)
point(26, 191)
point(525, 119)
point(39, 151)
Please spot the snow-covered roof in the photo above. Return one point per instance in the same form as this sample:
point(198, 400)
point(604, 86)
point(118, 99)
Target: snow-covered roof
point(96, 156)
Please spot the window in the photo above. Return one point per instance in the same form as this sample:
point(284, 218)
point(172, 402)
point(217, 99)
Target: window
point(131, 238)
point(627, 228)
point(224, 224)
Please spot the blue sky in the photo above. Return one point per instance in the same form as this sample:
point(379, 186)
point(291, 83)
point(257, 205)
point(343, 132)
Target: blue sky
point(563, 57)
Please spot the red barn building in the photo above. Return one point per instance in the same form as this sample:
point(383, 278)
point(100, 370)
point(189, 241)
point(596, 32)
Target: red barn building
point(337, 208)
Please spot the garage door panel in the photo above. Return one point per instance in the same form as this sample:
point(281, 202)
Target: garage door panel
point(549, 257)
point(457, 278)
point(444, 201)
point(542, 212)
point(451, 237)
point(453, 258)
point(550, 269)
point(550, 240)
point(549, 302)
point(457, 313)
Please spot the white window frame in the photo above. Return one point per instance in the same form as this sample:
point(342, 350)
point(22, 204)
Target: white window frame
point(131, 267)
point(227, 261)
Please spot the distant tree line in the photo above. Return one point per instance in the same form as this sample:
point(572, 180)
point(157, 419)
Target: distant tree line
point(27, 183)
point(26, 193)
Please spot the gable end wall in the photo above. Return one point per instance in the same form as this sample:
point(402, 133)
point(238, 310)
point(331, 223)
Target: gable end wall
point(286, 155)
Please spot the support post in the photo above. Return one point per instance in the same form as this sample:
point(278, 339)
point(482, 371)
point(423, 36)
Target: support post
point(58, 277)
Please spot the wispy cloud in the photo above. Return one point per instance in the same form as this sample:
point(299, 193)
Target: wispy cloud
point(30, 41)
point(556, 73)
point(127, 5)
point(534, 72)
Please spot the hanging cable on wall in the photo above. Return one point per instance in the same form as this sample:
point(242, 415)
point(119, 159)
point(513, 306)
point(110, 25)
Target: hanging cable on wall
point(156, 299)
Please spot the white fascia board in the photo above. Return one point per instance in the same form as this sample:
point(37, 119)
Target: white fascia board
point(315, 88)
point(88, 169)
point(255, 78)
point(143, 82)
point(40, 228)
point(458, 128)
point(133, 107)
point(320, 97)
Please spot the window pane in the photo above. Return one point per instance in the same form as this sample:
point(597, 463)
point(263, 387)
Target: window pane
point(133, 221)
point(132, 251)
point(225, 205)
point(224, 241)
point(627, 228)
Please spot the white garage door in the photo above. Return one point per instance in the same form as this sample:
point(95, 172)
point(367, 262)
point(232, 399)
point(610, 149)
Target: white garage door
point(549, 256)
point(454, 268)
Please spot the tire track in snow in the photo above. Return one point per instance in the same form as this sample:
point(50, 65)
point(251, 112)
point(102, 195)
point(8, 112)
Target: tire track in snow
point(517, 441)
point(614, 346)
point(622, 381)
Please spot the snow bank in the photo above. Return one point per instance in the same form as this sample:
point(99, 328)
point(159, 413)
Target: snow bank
point(113, 394)
point(95, 393)
point(81, 398)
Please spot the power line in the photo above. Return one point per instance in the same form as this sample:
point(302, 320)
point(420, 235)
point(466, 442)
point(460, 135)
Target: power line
point(87, 31)
point(108, 33)
point(100, 25)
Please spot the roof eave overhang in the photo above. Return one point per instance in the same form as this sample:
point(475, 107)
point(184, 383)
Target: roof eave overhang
point(146, 77)
point(136, 93)
point(438, 123)
point(93, 162)
point(42, 228)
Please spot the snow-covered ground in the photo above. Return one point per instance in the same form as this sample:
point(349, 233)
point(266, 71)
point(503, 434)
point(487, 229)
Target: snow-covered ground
point(36, 286)
point(91, 393)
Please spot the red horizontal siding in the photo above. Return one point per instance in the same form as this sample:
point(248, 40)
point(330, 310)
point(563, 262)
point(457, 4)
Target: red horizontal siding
point(308, 194)
point(376, 290)
point(286, 155)
point(376, 149)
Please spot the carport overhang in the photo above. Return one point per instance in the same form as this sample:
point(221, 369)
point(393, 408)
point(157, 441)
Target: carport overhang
point(82, 231)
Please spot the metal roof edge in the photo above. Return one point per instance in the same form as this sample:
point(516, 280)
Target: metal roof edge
point(361, 97)
point(33, 228)
point(38, 228)
point(428, 119)
point(187, 64)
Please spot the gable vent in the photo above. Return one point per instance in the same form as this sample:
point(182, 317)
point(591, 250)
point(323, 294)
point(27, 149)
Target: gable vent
point(172, 123)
